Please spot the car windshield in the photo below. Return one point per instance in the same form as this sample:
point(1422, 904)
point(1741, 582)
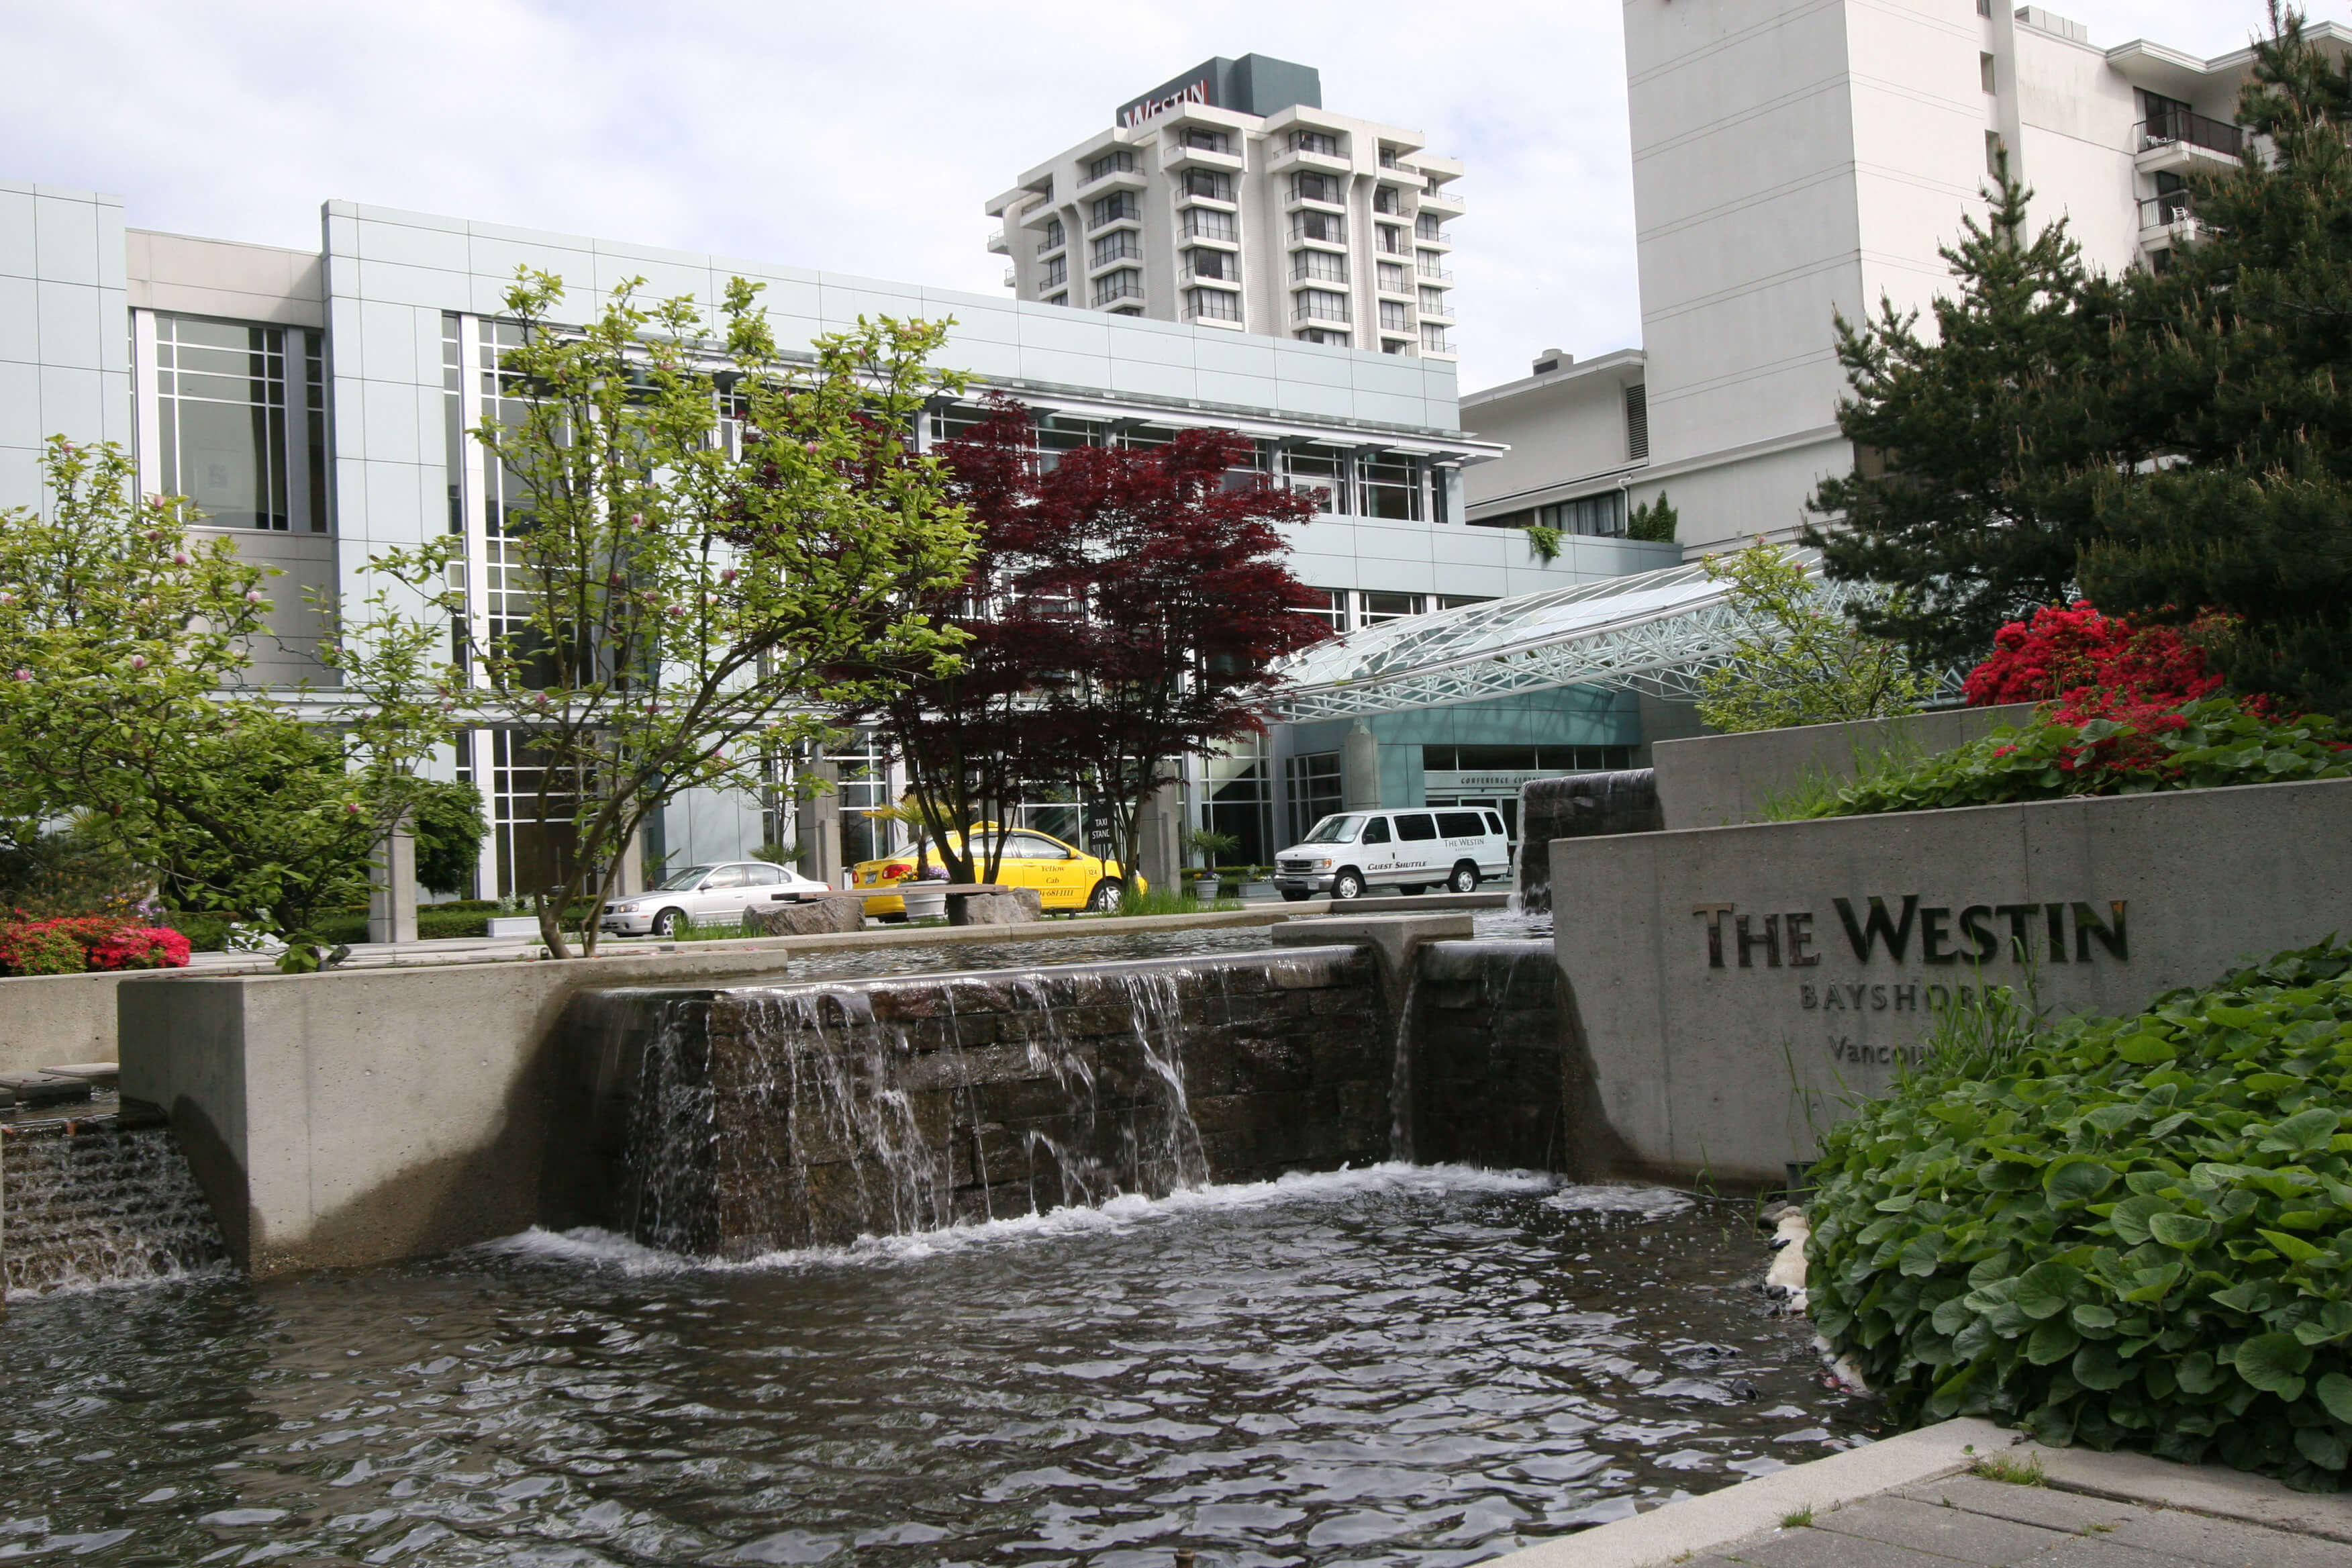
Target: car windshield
point(679, 881)
point(1334, 830)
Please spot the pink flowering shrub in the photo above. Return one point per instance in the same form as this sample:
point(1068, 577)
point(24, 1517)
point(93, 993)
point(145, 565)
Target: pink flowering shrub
point(80, 944)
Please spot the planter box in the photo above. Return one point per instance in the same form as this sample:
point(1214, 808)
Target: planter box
point(1732, 987)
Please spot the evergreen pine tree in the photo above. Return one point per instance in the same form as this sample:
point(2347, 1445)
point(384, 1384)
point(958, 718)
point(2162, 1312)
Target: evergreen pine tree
point(1972, 441)
point(2237, 360)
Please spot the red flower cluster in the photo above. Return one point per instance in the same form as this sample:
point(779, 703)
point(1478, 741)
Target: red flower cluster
point(2096, 666)
point(79, 943)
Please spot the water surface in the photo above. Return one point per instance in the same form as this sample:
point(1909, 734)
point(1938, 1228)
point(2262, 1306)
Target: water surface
point(1401, 1365)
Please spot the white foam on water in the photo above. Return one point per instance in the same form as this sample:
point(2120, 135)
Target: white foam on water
point(594, 1248)
point(1647, 1203)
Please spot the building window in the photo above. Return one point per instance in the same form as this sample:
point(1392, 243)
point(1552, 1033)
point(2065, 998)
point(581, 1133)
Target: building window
point(1207, 223)
point(1206, 140)
point(1430, 227)
point(453, 417)
point(1321, 305)
point(1117, 162)
point(1984, 72)
point(1116, 246)
point(1314, 142)
point(1432, 302)
point(1126, 283)
point(1324, 335)
point(1992, 154)
point(1240, 787)
point(1392, 278)
point(1429, 264)
point(1395, 316)
point(1114, 207)
point(1637, 423)
point(1212, 184)
point(1433, 339)
point(1393, 240)
point(1057, 298)
point(1211, 264)
point(1391, 489)
point(314, 425)
point(1397, 346)
point(1984, 7)
point(1372, 609)
point(1319, 473)
point(221, 439)
point(1058, 272)
point(1313, 786)
point(1330, 607)
point(1311, 187)
point(1318, 264)
point(1056, 236)
point(1213, 305)
point(1327, 228)
point(1387, 199)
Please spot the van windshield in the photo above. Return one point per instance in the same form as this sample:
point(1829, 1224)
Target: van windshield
point(1334, 830)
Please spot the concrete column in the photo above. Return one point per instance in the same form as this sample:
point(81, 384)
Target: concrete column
point(1360, 769)
point(632, 865)
point(818, 818)
point(391, 896)
point(1158, 850)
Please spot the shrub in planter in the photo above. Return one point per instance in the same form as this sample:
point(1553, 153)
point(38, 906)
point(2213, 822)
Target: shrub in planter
point(2209, 743)
point(79, 943)
point(2118, 1232)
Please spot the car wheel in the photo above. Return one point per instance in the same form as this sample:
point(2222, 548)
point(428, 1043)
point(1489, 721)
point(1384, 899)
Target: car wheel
point(1348, 885)
point(667, 923)
point(1464, 880)
point(1294, 895)
point(1106, 898)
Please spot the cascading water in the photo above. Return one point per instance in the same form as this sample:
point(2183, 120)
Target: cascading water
point(1581, 806)
point(780, 1116)
point(100, 1200)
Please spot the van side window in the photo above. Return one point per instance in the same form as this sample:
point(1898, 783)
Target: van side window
point(1415, 826)
point(1460, 825)
point(1494, 825)
point(1376, 831)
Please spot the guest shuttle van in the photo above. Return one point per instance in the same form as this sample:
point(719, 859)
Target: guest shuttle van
point(1410, 851)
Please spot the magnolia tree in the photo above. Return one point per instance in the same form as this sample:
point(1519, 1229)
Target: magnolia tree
point(125, 643)
point(707, 548)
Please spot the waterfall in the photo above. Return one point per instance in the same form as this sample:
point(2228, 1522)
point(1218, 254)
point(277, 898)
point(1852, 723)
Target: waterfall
point(1489, 1055)
point(100, 1200)
point(1578, 807)
point(777, 1116)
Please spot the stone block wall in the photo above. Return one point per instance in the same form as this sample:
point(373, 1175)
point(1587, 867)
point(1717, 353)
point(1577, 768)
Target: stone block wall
point(734, 1123)
point(1489, 1076)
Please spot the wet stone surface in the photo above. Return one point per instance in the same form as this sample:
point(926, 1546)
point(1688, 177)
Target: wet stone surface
point(1394, 1366)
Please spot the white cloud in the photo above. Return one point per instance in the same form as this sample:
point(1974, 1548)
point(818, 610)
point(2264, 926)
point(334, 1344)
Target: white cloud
point(837, 136)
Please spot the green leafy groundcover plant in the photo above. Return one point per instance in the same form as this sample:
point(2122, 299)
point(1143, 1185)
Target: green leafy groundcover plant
point(2205, 745)
point(2117, 1232)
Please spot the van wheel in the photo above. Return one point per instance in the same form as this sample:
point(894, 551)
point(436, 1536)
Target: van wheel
point(667, 923)
point(1348, 885)
point(1464, 880)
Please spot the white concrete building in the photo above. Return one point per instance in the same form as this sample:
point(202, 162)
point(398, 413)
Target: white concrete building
point(1796, 159)
point(1228, 197)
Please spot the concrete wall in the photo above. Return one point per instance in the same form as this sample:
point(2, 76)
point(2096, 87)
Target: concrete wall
point(1712, 1056)
point(65, 357)
point(1717, 780)
point(46, 1020)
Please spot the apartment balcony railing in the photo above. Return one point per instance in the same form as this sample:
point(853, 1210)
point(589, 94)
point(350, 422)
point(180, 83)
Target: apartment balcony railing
point(1306, 314)
point(1120, 247)
point(2191, 130)
point(1446, 194)
point(1048, 247)
point(1442, 274)
point(2164, 211)
point(1215, 313)
point(1395, 242)
point(1230, 278)
point(1318, 230)
point(1303, 273)
point(1115, 287)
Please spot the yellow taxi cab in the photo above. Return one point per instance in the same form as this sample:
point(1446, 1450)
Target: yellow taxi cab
point(1065, 877)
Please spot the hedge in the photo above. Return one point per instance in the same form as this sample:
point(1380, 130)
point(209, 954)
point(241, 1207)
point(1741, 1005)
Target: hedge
point(2118, 1232)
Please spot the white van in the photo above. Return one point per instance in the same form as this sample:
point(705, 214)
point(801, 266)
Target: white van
point(1408, 850)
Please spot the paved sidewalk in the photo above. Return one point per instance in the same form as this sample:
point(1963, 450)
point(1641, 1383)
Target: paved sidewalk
point(1918, 1500)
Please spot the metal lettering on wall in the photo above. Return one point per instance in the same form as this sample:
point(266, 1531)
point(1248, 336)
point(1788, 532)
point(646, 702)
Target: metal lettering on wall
point(1873, 932)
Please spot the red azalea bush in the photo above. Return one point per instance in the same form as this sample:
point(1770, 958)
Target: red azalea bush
point(79, 943)
point(2096, 666)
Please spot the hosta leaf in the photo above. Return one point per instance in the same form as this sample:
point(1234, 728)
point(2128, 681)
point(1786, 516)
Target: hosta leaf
point(2293, 1248)
point(2332, 1323)
point(2094, 1319)
point(2273, 1363)
point(2042, 1291)
point(2054, 1340)
point(2181, 1230)
point(2335, 1391)
point(2302, 1133)
point(2130, 1217)
point(2076, 1181)
point(2097, 1365)
point(2323, 1445)
point(2199, 1373)
point(2145, 1050)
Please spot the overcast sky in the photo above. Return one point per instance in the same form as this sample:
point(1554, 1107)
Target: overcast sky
point(840, 136)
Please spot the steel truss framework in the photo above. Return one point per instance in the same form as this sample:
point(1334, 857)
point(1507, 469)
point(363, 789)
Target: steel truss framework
point(1656, 632)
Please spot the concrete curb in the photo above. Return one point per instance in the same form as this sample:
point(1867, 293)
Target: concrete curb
point(2194, 1489)
point(1700, 1524)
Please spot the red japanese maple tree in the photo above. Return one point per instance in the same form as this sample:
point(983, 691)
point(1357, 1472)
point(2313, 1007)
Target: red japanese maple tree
point(1123, 612)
